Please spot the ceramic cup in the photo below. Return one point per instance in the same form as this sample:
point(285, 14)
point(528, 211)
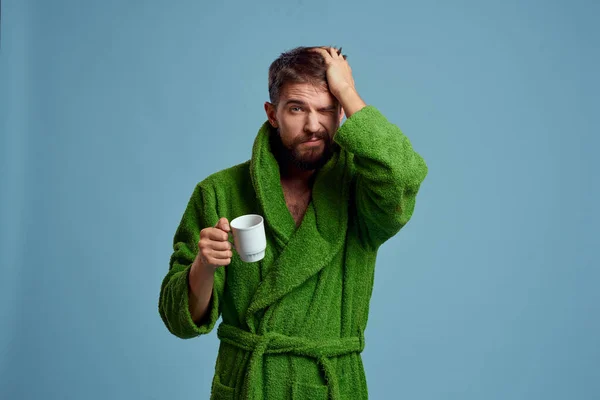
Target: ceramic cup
point(249, 237)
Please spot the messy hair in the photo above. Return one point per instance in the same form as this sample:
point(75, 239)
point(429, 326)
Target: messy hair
point(299, 65)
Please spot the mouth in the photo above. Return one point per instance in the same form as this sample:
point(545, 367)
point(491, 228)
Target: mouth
point(312, 142)
point(313, 139)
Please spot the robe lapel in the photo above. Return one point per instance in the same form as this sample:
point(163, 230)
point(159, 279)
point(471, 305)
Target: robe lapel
point(305, 251)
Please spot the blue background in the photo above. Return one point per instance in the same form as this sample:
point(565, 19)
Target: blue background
point(112, 111)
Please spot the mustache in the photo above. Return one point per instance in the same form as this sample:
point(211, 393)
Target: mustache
point(321, 135)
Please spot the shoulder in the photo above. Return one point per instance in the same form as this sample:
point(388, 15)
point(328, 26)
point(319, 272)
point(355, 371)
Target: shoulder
point(226, 178)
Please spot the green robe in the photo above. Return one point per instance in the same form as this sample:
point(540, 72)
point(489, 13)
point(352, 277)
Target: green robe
point(293, 322)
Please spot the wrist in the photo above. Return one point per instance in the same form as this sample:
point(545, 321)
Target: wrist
point(200, 271)
point(350, 100)
point(200, 266)
point(343, 91)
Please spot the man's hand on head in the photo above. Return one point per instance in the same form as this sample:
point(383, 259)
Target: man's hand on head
point(339, 73)
point(340, 80)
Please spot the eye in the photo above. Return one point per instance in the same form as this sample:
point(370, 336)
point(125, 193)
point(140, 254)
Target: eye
point(294, 108)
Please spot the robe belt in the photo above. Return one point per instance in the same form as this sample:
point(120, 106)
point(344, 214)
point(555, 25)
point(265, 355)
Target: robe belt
point(276, 343)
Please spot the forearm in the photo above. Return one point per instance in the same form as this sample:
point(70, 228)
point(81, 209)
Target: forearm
point(388, 172)
point(201, 283)
point(349, 100)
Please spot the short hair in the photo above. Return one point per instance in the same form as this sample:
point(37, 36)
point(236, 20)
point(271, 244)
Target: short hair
point(299, 65)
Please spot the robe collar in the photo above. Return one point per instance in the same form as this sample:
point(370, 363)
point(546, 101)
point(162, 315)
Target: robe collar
point(306, 250)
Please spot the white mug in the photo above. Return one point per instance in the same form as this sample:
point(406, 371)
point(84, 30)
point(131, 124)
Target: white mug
point(249, 237)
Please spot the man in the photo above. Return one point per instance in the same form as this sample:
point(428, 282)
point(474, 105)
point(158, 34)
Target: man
point(331, 195)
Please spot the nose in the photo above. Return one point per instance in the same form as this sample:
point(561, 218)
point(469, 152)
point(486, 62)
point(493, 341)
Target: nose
point(312, 125)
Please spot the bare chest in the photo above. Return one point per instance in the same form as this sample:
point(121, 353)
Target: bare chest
point(297, 203)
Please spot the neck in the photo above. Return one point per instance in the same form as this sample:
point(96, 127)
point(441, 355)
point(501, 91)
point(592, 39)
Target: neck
point(296, 177)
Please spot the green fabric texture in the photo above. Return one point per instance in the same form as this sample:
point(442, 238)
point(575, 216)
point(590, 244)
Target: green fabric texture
point(293, 323)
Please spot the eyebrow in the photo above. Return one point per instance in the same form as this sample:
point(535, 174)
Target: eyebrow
point(303, 103)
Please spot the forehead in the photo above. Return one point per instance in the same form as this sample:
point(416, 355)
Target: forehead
point(306, 92)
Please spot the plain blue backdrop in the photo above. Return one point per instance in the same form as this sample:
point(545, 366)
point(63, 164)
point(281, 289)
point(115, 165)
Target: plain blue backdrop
point(112, 111)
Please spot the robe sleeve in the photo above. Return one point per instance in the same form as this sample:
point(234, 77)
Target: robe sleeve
point(173, 304)
point(388, 174)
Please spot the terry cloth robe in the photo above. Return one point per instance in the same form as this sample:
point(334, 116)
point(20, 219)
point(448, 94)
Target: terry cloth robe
point(292, 324)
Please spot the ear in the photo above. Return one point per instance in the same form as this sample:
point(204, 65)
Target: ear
point(342, 115)
point(271, 114)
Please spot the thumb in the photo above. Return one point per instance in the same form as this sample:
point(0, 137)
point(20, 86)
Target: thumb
point(223, 224)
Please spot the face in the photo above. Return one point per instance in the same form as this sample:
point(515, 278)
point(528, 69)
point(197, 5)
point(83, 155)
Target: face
point(306, 119)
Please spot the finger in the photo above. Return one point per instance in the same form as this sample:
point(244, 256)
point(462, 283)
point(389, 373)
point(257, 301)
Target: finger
point(221, 255)
point(220, 262)
point(223, 224)
point(216, 234)
point(213, 257)
point(217, 245)
point(338, 53)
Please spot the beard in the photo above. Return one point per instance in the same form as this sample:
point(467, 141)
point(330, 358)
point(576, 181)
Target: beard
point(292, 156)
